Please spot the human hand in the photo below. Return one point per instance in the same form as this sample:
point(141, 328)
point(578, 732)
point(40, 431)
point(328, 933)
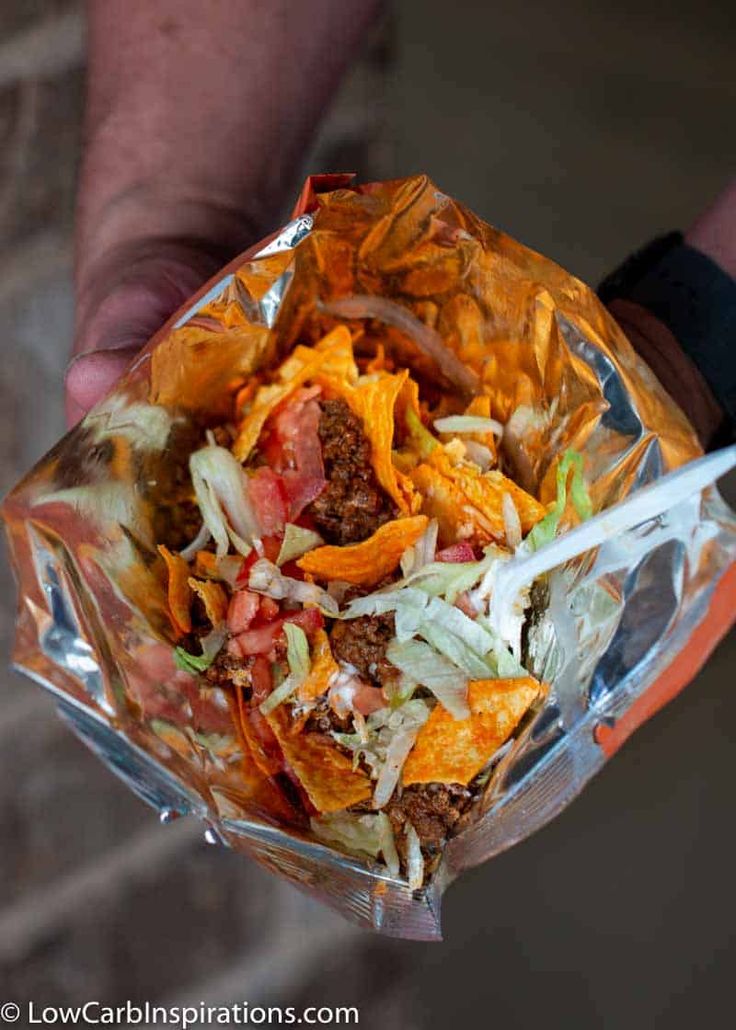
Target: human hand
point(676, 304)
point(195, 126)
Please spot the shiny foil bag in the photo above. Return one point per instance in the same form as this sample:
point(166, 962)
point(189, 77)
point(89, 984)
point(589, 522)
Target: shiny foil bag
point(620, 630)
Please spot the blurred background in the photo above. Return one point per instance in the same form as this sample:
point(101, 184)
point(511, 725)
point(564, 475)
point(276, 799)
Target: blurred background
point(582, 129)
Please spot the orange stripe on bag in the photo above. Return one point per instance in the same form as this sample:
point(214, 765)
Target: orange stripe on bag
point(682, 670)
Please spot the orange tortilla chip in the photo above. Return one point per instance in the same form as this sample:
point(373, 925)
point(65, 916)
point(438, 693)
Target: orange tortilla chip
point(179, 593)
point(495, 484)
point(205, 564)
point(252, 724)
point(468, 503)
point(326, 774)
point(333, 356)
point(444, 500)
point(323, 668)
point(373, 401)
point(449, 750)
point(379, 362)
point(481, 405)
point(368, 562)
point(213, 598)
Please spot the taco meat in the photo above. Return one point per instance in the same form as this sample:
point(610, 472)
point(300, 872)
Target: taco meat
point(352, 505)
point(362, 643)
point(433, 809)
point(230, 671)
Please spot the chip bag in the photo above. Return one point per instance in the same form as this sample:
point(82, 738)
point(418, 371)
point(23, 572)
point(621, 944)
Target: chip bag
point(326, 568)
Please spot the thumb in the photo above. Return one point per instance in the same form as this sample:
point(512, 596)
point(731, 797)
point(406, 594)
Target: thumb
point(129, 300)
point(90, 377)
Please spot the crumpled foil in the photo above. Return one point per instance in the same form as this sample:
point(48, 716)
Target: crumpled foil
point(622, 628)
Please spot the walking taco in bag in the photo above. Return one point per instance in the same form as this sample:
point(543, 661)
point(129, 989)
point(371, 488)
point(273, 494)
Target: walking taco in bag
point(265, 577)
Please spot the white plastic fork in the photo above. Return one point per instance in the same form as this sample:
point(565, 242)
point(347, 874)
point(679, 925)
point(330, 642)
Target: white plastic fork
point(506, 579)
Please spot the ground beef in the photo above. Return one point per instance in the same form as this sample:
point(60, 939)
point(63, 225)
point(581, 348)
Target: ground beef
point(324, 719)
point(183, 521)
point(353, 505)
point(224, 435)
point(433, 809)
point(229, 671)
point(362, 643)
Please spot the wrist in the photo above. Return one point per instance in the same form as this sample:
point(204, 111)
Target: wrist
point(714, 232)
point(679, 309)
point(681, 378)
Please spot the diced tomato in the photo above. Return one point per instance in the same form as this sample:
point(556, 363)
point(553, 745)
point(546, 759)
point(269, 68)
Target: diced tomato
point(288, 421)
point(300, 457)
point(302, 489)
point(260, 680)
point(367, 699)
point(456, 553)
point(269, 609)
point(243, 608)
point(310, 619)
point(307, 444)
point(270, 500)
point(261, 640)
point(271, 548)
point(263, 744)
point(306, 521)
point(292, 570)
point(271, 449)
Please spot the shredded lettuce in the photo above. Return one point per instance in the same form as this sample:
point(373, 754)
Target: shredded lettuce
point(220, 487)
point(297, 651)
point(414, 857)
point(367, 834)
point(297, 658)
point(500, 659)
point(388, 845)
point(423, 441)
point(511, 521)
point(400, 693)
point(422, 552)
point(266, 578)
point(383, 741)
point(468, 424)
point(569, 469)
point(479, 454)
point(471, 644)
point(455, 649)
point(191, 663)
point(211, 645)
point(457, 622)
point(297, 541)
point(201, 540)
point(423, 664)
point(449, 579)
point(397, 738)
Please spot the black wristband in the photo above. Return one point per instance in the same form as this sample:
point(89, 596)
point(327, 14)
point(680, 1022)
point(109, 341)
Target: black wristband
point(694, 298)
